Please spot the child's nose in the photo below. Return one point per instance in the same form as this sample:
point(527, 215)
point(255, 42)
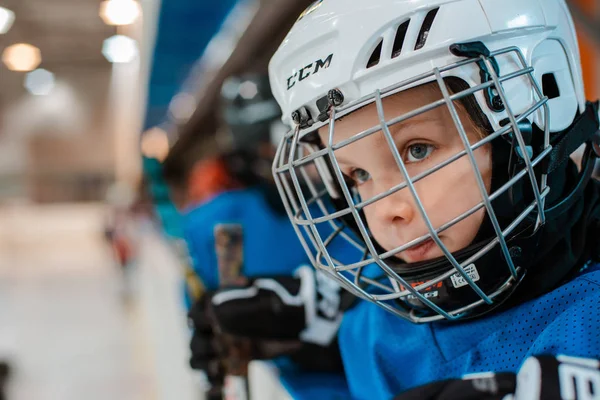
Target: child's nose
point(397, 208)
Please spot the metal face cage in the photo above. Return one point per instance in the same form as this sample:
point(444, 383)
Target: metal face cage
point(327, 213)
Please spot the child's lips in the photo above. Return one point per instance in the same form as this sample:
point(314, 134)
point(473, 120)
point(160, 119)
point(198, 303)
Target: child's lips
point(420, 252)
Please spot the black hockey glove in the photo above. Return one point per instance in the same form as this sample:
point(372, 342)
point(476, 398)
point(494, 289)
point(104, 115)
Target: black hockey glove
point(540, 378)
point(204, 349)
point(297, 316)
point(558, 378)
point(486, 386)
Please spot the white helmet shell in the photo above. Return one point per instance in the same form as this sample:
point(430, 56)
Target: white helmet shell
point(333, 42)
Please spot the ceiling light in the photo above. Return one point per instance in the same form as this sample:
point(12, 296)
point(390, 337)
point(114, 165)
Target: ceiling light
point(120, 49)
point(248, 90)
point(22, 57)
point(39, 82)
point(119, 12)
point(182, 106)
point(7, 18)
point(155, 144)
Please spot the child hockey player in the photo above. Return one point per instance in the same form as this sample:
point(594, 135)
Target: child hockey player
point(441, 130)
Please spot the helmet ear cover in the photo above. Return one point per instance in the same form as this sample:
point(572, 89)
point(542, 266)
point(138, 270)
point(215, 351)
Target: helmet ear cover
point(564, 192)
point(584, 129)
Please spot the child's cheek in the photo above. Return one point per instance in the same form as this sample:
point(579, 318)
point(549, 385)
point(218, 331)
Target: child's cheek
point(449, 191)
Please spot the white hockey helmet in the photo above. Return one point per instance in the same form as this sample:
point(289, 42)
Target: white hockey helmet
point(519, 61)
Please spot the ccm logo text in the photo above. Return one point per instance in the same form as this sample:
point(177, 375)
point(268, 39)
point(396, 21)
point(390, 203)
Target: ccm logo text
point(310, 69)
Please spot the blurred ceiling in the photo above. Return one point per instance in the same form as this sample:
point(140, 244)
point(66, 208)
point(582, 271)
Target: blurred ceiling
point(196, 138)
point(185, 29)
point(69, 34)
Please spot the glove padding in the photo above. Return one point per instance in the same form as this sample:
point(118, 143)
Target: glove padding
point(204, 354)
point(297, 316)
point(477, 387)
point(558, 378)
point(539, 378)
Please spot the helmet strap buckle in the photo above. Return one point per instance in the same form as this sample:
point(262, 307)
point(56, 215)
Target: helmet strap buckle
point(480, 50)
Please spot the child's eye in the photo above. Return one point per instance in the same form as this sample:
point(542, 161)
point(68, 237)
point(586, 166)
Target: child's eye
point(419, 151)
point(360, 176)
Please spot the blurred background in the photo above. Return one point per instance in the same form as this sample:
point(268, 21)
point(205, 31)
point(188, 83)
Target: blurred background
point(106, 109)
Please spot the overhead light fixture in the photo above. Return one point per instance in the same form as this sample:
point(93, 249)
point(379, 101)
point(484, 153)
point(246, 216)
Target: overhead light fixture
point(248, 90)
point(22, 57)
point(155, 144)
point(39, 82)
point(120, 49)
point(119, 12)
point(182, 106)
point(7, 18)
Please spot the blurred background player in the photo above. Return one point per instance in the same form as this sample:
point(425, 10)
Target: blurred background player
point(236, 187)
point(118, 231)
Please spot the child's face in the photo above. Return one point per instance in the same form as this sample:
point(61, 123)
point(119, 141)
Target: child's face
point(423, 142)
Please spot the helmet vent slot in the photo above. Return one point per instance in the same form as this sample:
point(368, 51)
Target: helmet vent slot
point(375, 55)
point(399, 40)
point(550, 86)
point(425, 28)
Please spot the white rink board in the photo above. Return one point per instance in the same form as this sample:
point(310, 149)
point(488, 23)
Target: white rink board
point(263, 379)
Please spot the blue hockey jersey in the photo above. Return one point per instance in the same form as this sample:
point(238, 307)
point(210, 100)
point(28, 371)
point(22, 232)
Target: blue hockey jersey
point(385, 355)
point(271, 246)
